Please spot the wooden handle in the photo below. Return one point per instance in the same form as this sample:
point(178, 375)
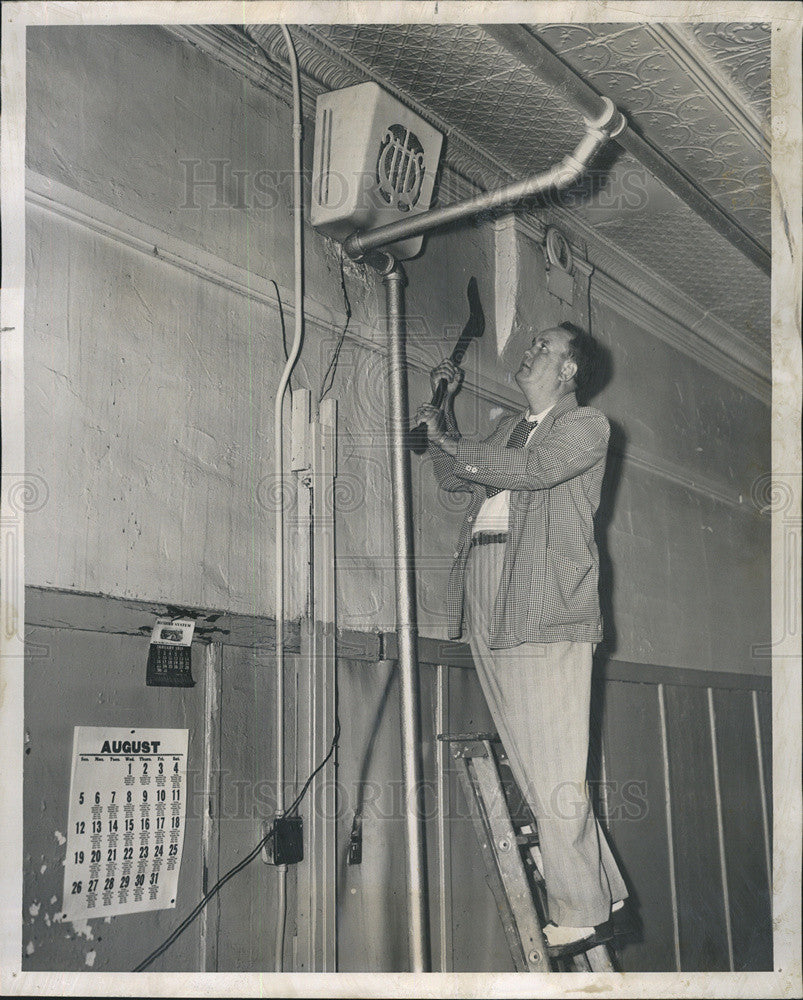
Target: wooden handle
point(475, 327)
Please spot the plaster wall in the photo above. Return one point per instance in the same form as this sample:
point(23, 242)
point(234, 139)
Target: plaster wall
point(149, 391)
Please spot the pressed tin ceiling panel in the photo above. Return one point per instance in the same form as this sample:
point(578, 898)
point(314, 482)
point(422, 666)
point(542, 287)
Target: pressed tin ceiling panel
point(469, 84)
point(684, 88)
point(691, 114)
point(677, 245)
point(743, 52)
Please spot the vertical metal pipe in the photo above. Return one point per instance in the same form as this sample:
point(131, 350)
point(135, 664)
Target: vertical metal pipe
point(418, 921)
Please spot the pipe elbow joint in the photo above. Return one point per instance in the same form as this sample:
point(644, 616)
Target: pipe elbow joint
point(610, 123)
point(569, 170)
point(353, 247)
point(379, 260)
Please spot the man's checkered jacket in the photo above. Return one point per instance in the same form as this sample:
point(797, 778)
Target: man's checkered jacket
point(548, 591)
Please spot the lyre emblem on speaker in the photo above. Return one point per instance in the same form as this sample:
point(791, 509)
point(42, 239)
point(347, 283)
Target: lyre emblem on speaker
point(400, 168)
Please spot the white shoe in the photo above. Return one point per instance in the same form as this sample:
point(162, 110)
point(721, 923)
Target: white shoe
point(564, 941)
point(559, 936)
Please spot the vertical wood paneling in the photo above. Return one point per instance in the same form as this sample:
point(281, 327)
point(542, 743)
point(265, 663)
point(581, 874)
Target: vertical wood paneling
point(703, 939)
point(237, 930)
point(670, 836)
point(764, 700)
point(637, 821)
point(750, 912)
point(763, 781)
point(723, 868)
point(247, 904)
point(371, 896)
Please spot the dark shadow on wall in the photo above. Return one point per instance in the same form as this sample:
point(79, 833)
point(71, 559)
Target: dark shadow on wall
point(631, 930)
point(607, 505)
point(602, 374)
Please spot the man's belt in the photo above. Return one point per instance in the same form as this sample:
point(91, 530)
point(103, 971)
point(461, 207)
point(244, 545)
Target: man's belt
point(488, 537)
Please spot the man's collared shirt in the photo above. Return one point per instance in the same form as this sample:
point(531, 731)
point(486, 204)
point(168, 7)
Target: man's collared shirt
point(494, 514)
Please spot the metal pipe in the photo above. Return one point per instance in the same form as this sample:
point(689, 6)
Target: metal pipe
point(418, 910)
point(366, 247)
point(536, 55)
point(571, 167)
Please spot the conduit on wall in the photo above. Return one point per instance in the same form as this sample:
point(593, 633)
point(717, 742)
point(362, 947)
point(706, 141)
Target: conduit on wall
point(278, 425)
point(364, 247)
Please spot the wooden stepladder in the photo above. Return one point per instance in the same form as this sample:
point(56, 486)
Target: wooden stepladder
point(512, 858)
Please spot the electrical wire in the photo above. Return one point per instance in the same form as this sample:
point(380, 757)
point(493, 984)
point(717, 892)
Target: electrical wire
point(196, 911)
point(330, 371)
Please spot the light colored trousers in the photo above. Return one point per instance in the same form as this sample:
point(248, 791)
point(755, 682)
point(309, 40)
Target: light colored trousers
point(539, 696)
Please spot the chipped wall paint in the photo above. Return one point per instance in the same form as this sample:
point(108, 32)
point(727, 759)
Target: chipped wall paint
point(101, 679)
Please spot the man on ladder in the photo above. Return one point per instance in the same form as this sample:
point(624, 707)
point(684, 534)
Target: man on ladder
point(524, 585)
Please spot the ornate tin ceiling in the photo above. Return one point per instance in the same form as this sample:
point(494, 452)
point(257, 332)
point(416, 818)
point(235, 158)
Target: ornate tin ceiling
point(674, 91)
point(699, 94)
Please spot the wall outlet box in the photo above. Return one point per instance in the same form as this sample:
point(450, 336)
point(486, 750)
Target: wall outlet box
point(286, 846)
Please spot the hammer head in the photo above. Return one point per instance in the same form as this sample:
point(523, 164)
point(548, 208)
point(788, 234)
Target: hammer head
point(475, 325)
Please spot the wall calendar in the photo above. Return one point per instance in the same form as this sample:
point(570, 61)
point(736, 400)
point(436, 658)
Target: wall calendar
point(126, 820)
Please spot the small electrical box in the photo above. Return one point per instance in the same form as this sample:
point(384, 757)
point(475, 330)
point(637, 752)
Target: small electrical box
point(355, 841)
point(286, 846)
point(374, 163)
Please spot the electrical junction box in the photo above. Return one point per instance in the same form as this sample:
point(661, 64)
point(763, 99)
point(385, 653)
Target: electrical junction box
point(286, 846)
point(374, 163)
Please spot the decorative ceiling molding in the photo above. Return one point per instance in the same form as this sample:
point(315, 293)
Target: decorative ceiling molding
point(618, 284)
point(680, 107)
point(681, 42)
point(741, 51)
point(650, 287)
point(711, 341)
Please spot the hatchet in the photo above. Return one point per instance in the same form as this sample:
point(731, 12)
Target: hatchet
point(474, 328)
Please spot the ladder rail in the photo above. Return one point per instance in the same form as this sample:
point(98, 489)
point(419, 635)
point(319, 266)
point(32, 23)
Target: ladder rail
point(505, 868)
point(492, 876)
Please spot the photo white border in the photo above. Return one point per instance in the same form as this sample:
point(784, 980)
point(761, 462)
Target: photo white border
point(787, 20)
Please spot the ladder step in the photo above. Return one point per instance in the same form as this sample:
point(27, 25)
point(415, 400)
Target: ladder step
point(513, 860)
point(468, 737)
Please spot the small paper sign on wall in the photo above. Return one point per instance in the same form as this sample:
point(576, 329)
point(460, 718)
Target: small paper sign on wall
point(126, 820)
point(169, 654)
